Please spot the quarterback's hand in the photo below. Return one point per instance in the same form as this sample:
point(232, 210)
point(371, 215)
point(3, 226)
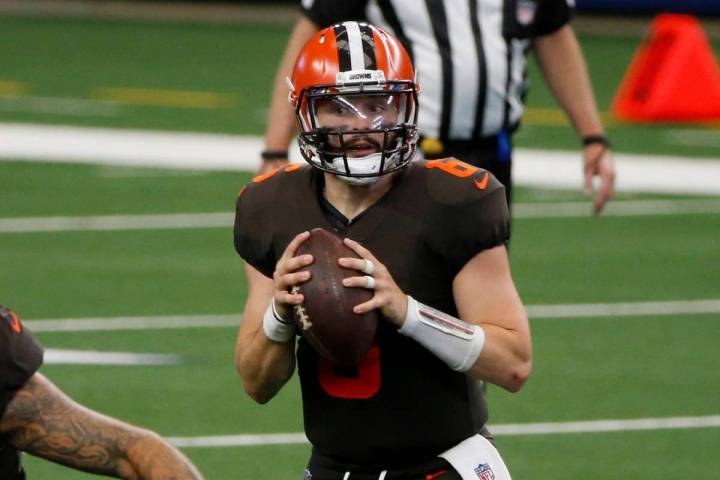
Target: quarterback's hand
point(598, 161)
point(288, 273)
point(388, 298)
point(270, 165)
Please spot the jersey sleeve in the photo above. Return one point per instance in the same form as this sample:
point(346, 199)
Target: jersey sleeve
point(526, 19)
point(20, 355)
point(253, 232)
point(551, 15)
point(324, 13)
point(483, 224)
point(471, 213)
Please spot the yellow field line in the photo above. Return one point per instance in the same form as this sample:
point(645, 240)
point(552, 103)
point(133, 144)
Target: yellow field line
point(166, 98)
point(555, 117)
point(9, 88)
point(543, 117)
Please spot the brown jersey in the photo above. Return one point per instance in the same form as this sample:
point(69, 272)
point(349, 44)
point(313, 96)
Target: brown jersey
point(20, 356)
point(401, 403)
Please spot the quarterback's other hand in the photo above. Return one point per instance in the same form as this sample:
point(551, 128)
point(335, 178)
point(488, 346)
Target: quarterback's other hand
point(388, 297)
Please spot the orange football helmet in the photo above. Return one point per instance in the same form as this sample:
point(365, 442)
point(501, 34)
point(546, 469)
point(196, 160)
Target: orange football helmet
point(355, 95)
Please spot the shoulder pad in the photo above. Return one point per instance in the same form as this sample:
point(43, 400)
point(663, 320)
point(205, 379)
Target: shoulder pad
point(20, 353)
point(451, 181)
point(9, 320)
point(273, 177)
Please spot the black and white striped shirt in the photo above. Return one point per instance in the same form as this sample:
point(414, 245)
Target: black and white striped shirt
point(470, 54)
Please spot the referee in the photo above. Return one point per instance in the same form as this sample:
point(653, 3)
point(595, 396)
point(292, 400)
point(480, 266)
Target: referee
point(471, 62)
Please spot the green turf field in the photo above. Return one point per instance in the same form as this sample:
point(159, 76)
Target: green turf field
point(180, 76)
point(216, 79)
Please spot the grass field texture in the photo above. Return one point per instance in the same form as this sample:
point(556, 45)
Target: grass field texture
point(212, 78)
point(217, 79)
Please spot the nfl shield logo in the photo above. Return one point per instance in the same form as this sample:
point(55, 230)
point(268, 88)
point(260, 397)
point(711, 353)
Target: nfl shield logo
point(525, 12)
point(484, 472)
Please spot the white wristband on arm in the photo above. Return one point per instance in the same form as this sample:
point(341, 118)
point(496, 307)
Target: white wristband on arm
point(453, 341)
point(275, 327)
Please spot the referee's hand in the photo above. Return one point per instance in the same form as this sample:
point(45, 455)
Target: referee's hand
point(598, 162)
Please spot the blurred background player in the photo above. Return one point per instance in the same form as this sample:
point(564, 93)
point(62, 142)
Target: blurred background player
point(434, 230)
point(472, 68)
point(37, 418)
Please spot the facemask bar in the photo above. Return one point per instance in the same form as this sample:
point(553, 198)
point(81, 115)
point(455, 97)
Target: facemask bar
point(399, 140)
point(328, 158)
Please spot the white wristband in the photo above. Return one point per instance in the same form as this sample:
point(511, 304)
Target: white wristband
point(275, 327)
point(453, 341)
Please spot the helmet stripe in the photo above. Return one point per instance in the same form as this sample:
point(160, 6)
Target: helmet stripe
point(341, 38)
point(368, 45)
point(355, 44)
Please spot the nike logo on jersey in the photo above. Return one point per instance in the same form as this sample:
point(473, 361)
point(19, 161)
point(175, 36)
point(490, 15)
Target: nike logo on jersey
point(15, 323)
point(482, 184)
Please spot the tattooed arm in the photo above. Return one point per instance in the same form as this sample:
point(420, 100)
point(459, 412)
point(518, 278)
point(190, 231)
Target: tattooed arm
point(43, 421)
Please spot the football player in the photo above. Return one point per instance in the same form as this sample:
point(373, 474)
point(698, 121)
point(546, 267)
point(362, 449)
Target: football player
point(38, 418)
point(431, 239)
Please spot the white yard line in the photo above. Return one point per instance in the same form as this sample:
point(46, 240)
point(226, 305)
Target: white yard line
point(593, 426)
point(134, 323)
point(91, 357)
point(225, 219)
point(556, 169)
point(633, 309)
point(548, 428)
point(239, 440)
point(536, 312)
point(116, 222)
point(129, 148)
point(635, 173)
point(617, 208)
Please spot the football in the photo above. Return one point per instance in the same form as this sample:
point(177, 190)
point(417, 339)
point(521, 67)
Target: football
point(326, 318)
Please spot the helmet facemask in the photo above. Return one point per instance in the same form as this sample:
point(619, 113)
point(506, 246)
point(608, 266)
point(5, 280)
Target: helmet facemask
point(361, 131)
